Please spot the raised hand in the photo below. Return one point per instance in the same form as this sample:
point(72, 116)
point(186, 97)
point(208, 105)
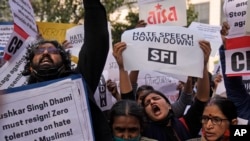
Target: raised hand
point(206, 48)
point(118, 48)
point(224, 31)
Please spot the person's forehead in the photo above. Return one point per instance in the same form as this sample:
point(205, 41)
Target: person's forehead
point(152, 95)
point(126, 119)
point(213, 110)
point(46, 45)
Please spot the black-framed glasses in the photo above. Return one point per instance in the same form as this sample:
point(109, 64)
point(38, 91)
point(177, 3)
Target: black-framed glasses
point(50, 50)
point(214, 120)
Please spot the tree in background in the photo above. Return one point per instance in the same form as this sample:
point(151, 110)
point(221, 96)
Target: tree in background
point(5, 13)
point(59, 11)
point(191, 14)
point(119, 27)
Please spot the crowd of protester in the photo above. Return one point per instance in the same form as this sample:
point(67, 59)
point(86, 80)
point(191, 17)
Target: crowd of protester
point(141, 112)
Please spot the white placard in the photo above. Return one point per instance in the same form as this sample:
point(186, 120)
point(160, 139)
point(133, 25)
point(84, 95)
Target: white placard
point(103, 96)
point(163, 82)
point(23, 16)
point(24, 26)
point(46, 111)
point(167, 12)
point(221, 90)
point(11, 72)
point(75, 36)
point(211, 33)
point(237, 61)
point(6, 30)
point(169, 49)
point(236, 14)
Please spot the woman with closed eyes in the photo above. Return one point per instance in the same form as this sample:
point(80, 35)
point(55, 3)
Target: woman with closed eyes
point(162, 124)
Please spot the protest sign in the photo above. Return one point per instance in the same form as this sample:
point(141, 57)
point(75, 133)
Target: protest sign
point(167, 12)
point(24, 26)
point(238, 40)
point(211, 33)
point(164, 82)
point(169, 49)
point(103, 97)
point(6, 29)
point(54, 110)
point(235, 12)
point(23, 16)
point(75, 36)
point(11, 72)
point(53, 31)
point(16, 43)
point(237, 61)
point(221, 90)
point(112, 67)
point(236, 15)
point(160, 81)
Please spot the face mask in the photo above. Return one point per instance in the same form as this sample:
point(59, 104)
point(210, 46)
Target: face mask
point(133, 139)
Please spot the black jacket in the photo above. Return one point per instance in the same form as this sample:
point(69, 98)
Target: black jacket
point(92, 58)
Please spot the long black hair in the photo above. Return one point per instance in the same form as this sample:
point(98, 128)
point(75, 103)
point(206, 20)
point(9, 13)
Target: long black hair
point(143, 88)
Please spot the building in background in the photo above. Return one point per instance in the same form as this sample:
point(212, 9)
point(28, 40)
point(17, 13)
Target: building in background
point(209, 11)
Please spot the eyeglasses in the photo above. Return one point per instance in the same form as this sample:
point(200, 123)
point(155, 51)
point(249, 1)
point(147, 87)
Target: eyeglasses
point(214, 120)
point(50, 50)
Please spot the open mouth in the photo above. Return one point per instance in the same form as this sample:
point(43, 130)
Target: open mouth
point(209, 134)
point(45, 60)
point(156, 110)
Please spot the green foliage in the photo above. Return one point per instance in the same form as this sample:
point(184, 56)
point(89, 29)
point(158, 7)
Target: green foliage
point(111, 5)
point(56, 11)
point(118, 28)
point(191, 14)
point(5, 13)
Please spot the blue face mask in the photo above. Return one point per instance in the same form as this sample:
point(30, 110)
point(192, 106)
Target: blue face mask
point(133, 139)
